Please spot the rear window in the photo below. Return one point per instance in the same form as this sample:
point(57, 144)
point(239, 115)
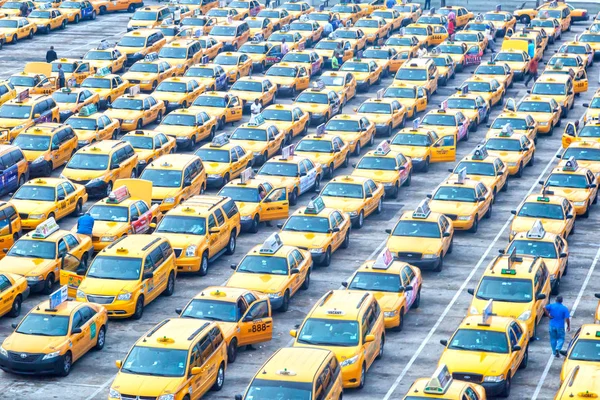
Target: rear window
point(230, 209)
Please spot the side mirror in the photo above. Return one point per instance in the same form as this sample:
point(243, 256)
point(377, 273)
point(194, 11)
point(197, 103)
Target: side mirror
point(596, 295)
point(564, 352)
point(294, 271)
point(488, 125)
point(134, 218)
point(529, 91)
point(369, 338)
point(334, 230)
point(569, 216)
point(541, 296)
point(55, 147)
point(178, 311)
point(148, 275)
point(369, 195)
point(293, 333)
point(516, 348)
point(233, 266)
point(196, 371)
point(471, 291)
point(61, 197)
point(481, 198)
point(118, 363)
point(513, 212)
point(524, 148)
point(451, 170)
point(213, 230)
point(541, 182)
point(238, 397)
point(592, 185)
point(345, 284)
point(80, 271)
point(401, 168)
point(280, 226)
point(75, 331)
point(353, 165)
point(563, 255)
point(408, 288)
point(570, 93)
point(388, 231)
point(429, 196)
point(586, 105)
point(114, 166)
point(14, 325)
point(446, 234)
point(187, 183)
point(501, 251)
point(444, 342)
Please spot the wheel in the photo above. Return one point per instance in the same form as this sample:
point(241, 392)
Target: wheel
point(426, 165)
point(64, 24)
point(451, 247)
point(102, 10)
point(440, 265)
point(306, 283)
point(346, 242)
point(67, 364)
point(357, 149)
point(505, 187)
point(47, 29)
point(15, 39)
point(389, 131)
point(506, 389)
point(317, 185)
point(586, 214)
point(556, 287)
point(139, 308)
point(133, 173)
point(360, 220)
point(396, 191)
point(220, 379)
point(488, 214)
point(212, 133)
point(76, 20)
point(327, 261)
point(139, 124)
point(417, 301)
point(525, 359)
point(226, 178)
point(286, 302)
point(170, 285)
point(519, 173)
point(475, 224)
point(363, 375)
point(525, 19)
point(231, 244)
point(203, 265)
point(109, 187)
point(381, 345)
point(93, 15)
point(379, 207)
point(131, 8)
point(330, 170)
point(48, 283)
point(48, 169)
point(100, 338)
point(346, 161)
point(408, 180)
point(78, 208)
point(15, 310)
point(293, 92)
point(232, 351)
point(159, 117)
point(371, 140)
point(294, 197)
point(255, 224)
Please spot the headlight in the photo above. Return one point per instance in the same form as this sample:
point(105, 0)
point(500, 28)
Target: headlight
point(95, 180)
point(108, 238)
point(124, 296)
point(417, 159)
point(352, 142)
point(365, 81)
point(72, 15)
point(318, 251)
point(579, 203)
point(513, 233)
point(112, 393)
point(169, 200)
point(3, 351)
point(464, 217)
point(51, 355)
point(388, 184)
point(142, 162)
point(214, 176)
point(349, 361)
point(80, 293)
point(37, 216)
point(246, 217)
point(390, 314)
point(353, 213)
point(286, 86)
point(128, 121)
point(190, 251)
point(38, 160)
point(63, 177)
point(275, 295)
point(34, 279)
point(497, 378)
point(317, 115)
point(543, 124)
point(429, 256)
point(381, 125)
point(82, 143)
point(473, 310)
point(409, 108)
point(256, 154)
point(166, 397)
point(525, 315)
point(146, 82)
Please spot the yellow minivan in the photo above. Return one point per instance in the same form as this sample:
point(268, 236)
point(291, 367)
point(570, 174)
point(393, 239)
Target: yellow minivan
point(10, 226)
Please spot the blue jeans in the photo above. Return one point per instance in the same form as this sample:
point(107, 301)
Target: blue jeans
point(557, 338)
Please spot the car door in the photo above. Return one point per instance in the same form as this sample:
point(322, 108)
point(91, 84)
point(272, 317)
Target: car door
point(10, 171)
point(161, 270)
point(369, 349)
point(275, 205)
point(409, 278)
point(444, 149)
point(213, 236)
point(208, 367)
point(305, 178)
point(256, 324)
point(199, 384)
point(515, 355)
point(421, 99)
point(79, 334)
point(7, 295)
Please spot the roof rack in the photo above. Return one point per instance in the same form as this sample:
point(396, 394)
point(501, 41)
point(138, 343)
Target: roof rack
point(198, 331)
point(157, 327)
point(325, 298)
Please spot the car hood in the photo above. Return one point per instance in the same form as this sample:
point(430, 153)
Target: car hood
point(342, 203)
point(106, 287)
point(524, 224)
point(260, 282)
point(474, 361)
point(251, 145)
point(377, 176)
point(410, 151)
point(109, 228)
point(162, 193)
point(246, 208)
point(33, 206)
point(141, 385)
point(82, 175)
point(412, 244)
point(452, 207)
point(24, 265)
point(304, 239)
point(18, 342)
point(389, 301)
point(181, 240)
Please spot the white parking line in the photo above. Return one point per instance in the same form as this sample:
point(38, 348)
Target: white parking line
point(101, 388)
point(461, 289)
point(573, 309)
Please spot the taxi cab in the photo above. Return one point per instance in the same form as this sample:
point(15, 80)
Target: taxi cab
point(445, 67)
point(489, 88)
point(137, 44)
point(556, 10)
point(575, 183)
point(279, 17)
point(391, 16)
point(465, 201)
point(551, 248)
point(35, 77)
point(344, 83)
point(385, 57)
point(233, 35)
point(40, 199)
point(289, 119)
point(463, 16)
point(149, 72)
point(395, 284)
point(260, 138)
point(107, 86)
point(409, 11)
point(311, 31)
point(135, 111)
point(580, 78)
point(260, 27)
point(118, 5)
point(294, 40)
point(547, 26)
point(17, 28)
point(354, 130)
point(423, 32)
point(91, 126)
point(375, 28)
point(249, 8)
point(222, 106)
point(178, 92)
point(105, 57)
point(447, 122)
point(149, 145)
point(442, 384)
point(46, 147)
point(556, 213)
point(53, 347)
point(175, 178)
point(418, 72)
point(488, 350)
point(235, 65)
point(275, 269)
point(586, 153)
point(544, 110)
point(517, 59)
point(309, 59)
point(218, 15)
point(356, 196)
point(582, 49)
point(263, 54)
point(70, 100)
point(18, 114)
point(404, 43)
point(498, 71)
point(16, 290)
point(593, 109)
point(579, 386)
point(424, 146)
point(297, 370)
point(387, 114)
point(98, 166)
point(148, 17)
point(288, 77)
point(7, 91)
point(472, 38)
point(485, 168)
point(210, 75)
point(192, 370)
point(48, 20)
point(519, 122)
point(126, 211)
point(359, 325)
point(590, 132)
point(355, 36)
point(457, 51)
point(257, 200)
point(328, 150)
point(581, 354)
point(181, 54)
point(472, 106)
point(593, 39)
point(244, 316)
point(567, 60)
point(74, 70)
point(319, 102)
point(502, 20)
point(223, 160)
point(250, 88)
point(558, 87)
point(412, 98)
point(515, 150)
point(318, 229)
point(128, 274)
point(349, 12)
point(210, 47)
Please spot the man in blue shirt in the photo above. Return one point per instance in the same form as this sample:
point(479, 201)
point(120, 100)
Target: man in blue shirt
point(85, 224)
point(558, 314)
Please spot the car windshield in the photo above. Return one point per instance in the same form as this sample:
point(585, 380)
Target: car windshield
point(466, 37)
point(44, 325)
point(375, 108)
point(511, 290)
point(213, 155)
point(15, 111)
point(549, 88)
point(97, 55)
point(456, 102)
point(398, 92)
point(139, 142)
point(344, 9)
point(8, 23)
point(226, 60)
point(490, 70)
point(316, 146)
point(494, 17)
point(326, 45)
point(267, 389)
point(476, 168)
point(367, 23)
point(343, 34)
point(96, 83)
point(377, 163)
point(296, 57)
point(169, 31)
point(300, 26)
point(565, 48)
point(346, 190)
point(586, 350)
point(132, 41)
point(501, 144)
point(332, 80)
point(516, 123)
point(410, 139)
point(479, 340)
point(399, 41)
point(514, 57)
point(93, 162)
point(258, 135)
point(255, 23)
point(122, 103)
point(254, 48)
point(269, 14)
point(213, 310)
point(411, 74)
point(210, 101)
point(535, 248)
point(182, 224)
point(301, 223)
point(277, 115)
point(484, 87)
point(162, 177)
point(155, 361)
point(243, 194)
point(376, 282)
point(281, 71)
point(454, 193)
point(565, 61)
point(173, 52)
point(33, 249)
point(329, 332)
point(311, 97)
point(144, 15)
point(144, 67)
point(247, 86)
point(342, 125)
point(450, 49)
point(215, 12)
point(278, 37)
point(425, 20)
point(109, 213)
point(117, 268)
point(580, 154)
point(546, 13)
point(279, 169)
point(291, 7)
point(544, 24)
point(542, 211)
point(63, 97)
point(426, 229)
point(86, 124)
point(35, 13)
point(25, 81)
point(588, 38)
point(263, 265)
point(535, 106)
point(574, 181)
point(220, 30)
point(413, 30)
point(439, 119)
point(355, 66)
point(32, 142)
point(590, 131)
point(175, 119)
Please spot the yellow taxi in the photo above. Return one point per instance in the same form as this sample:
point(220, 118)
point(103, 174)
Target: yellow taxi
point(593, 109)
point(587, 155)
point(402, 43)
point(409, 11)
point(544, 110)
point(488, 350)
point(445, 67)
point(374, 28)
point(390, 168)
point(235, 65)
point(223, 160)
point(515, 150)
point(149, 145)
point(263, 54)
point(447, 122)
point(18, 114)
point(424, 146)
point(457, 51)
point(518, 60)
point(412, 98)
point(502, 20)
point(71, 100)
point(98, 166)
point(178, 92)
point(308, 59)
point(423, 32)
point(311, 31)
point(349, 12)
point(422, 238)
point(149, 72)
point(279, 17)
point(35, 77)
point(551, 28)
point(75, 70)
point(328, 150)
point(386, 113)
point(137, 44)
point(465, 201)
point(556, 10)
point(48, 20)
point(14, 291)
point(244, 316)
point(248, 89)
point(11, 221)
point(148, 17)
point(289, 119)
point(581, 353)
point(593, 39)
point(295, 41)
point(222, 106)
point(483, 167)
point(489, 88)
point(385, 57)
point(442, 384)
point(584, 50)
point(260, 27)
point(579, 386)
point(567, 60)
point(16, 28)
point(521, 42)
point(354, 130)
point(359, 325)
point(515, 122)
point(556, 213)
point(46, 147)
point(462, 15)
point(175, 178)
point(558, 87)
point(7, 91)
point(472, 38)
point(590, 132)
point(106, 6)
point(343, 83)
point(135, 111)
point(107, 86)
point(395, 284)
point(210, 47)
point(355, 36)
point(126, 211)
point(391, 16)
point(319, 102)
point(499, 71)
point(261, 138)
point(418, 72)
point(288, 78)
point(471, 105)
point(257, 200)
point(42, 254)
point(575, 183)
point(105, 57)
point(52, 349)
point(193, 370)
point(580, 78)
point(181, 54)
point(233, 35)
point(91, 126)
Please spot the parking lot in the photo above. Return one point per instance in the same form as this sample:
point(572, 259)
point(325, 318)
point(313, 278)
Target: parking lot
point(410, 354)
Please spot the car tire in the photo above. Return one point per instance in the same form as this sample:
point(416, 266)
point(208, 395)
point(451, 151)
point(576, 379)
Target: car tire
point(525, 359)
point(203, 265)
point(78, 208)
point(15, 310)
point(519, 173)
point(440, 265)
point(255, 224)
point(170, 289)
point(451, 247)
point(317, 185)
point(357, 149)
point(488, 214)
point(93, 15)
point(76, 20)
point(232, 350)
point(306, 283)
point(475, 225)
point(64, 24)
point(330, 170)
point(327, 261)
point(379, 206)
point(417, 301)
point(48, 283)
point(67, 364)
point(131, 8)
point(48, 169)
point(159, 117)
point(100, 338)
point(139, 308)
point(346, 242)
point(15, 39)
point(389, 130)
point(286, 302)
point(219, 380)
point(586, 214)
point(556, 287)
point(408, 180)
point(381, 347)
point(109, 187)
point(396, 191)
point(426, 165)
point(294, 197)
point(360, 221)
point(102, 10)
point(363, 375)
point(47, 29)
point(231, 244)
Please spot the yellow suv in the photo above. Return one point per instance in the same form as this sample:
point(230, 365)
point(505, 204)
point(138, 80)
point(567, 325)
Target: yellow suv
point(137, 44)
point(20, 113)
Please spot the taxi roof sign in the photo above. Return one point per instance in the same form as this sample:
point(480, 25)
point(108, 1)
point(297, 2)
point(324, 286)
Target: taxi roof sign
point(151, 57)
point(507, 130)
point(422, 211)
point(219, 140)
point(537, 230)
point(416, 123)
point(335, 312)
point(383, 148)
point(88, 110)
point(320, 130)
point(58, 297)
point(439, 382)
point(480, 153)
point(103, 71)
point(246, 175)
point(318, 85)
point(511, 105)
point(380, 93)
point(45, 229)
point(257, 120)
point(287, 152)
point(462, 176)
point(118, 195)
point(315, 206)
point(134, 90)
point(512, 257)
point(271, 245)
point(22, 95)
point(286, 372)
point(487, 312)
point(570, 165)
point(383, 260)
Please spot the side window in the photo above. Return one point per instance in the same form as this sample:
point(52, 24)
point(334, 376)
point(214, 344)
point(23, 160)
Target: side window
point(512, 337)
point(291, 262)
point(7, 160)
point(77, 320)
point(166, 249)
point(4, 283)
point(217, 337)
point(230, 209)
point(142, 207)
point(220, 217)
point(372, 185)
point(62, 248)
point(298, 256)
point(71, 241)
point(16, 155)
point(60, 192)
point(157, 256)
point(206, 349)
point(250, 298)
point(211, 222)
point(259, 310)
point(133, 212)
point(10, 212)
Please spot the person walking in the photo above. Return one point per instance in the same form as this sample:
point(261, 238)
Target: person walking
point(255, 109)
point(61, 76)
point(24, 9)
point(327, 29)
point(85, 224)
point(559, 315)
point(51, 55)
point(390, 4)
point(267, 3)
point(284, 47)
point(451, 26)
point(427, 5)
point(533, 71)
